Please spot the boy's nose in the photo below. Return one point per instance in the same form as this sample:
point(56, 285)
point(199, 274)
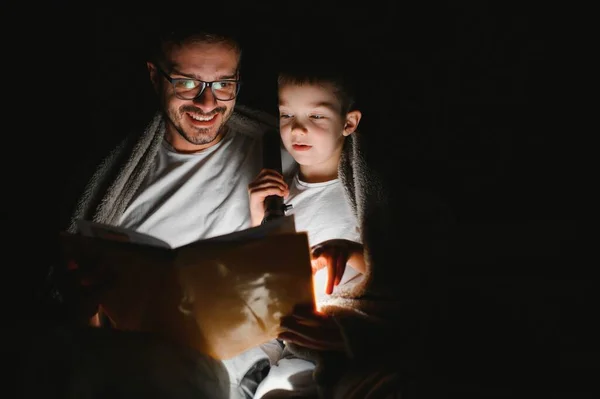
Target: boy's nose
point(298, 128)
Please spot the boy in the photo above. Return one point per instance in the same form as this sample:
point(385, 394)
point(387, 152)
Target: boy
point(316, 115)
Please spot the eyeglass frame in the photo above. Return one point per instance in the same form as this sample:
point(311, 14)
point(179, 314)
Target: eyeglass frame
point(205, 84)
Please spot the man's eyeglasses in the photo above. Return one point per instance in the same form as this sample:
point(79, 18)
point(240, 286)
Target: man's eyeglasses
point(189, 89)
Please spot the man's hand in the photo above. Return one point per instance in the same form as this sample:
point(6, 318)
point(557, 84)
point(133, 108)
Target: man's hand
point(268, 182)
point(307, 328)
point(334, 255)
point(83, 287)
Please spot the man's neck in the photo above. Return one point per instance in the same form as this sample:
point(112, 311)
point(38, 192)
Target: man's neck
point(182, 146)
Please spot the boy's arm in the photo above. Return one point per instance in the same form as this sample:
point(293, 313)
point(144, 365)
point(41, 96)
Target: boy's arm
point(357, 260)
point(334, 255)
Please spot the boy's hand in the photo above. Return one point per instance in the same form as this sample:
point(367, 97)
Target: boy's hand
point(333, 254)
point(307, 328)
point(268, 182)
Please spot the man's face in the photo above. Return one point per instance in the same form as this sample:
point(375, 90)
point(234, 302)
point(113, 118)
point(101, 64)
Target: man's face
point(311, 125)
point(195, 124)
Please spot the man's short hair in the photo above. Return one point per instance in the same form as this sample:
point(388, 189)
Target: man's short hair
point(169, 34)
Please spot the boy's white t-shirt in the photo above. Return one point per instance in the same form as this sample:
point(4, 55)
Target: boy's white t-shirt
point(187, 197)
point(323, 212)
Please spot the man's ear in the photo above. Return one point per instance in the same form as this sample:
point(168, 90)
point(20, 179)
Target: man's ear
point(154, 76)
point(352, 121)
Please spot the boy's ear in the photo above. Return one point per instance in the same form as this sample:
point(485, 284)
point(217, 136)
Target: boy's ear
point(352, 121)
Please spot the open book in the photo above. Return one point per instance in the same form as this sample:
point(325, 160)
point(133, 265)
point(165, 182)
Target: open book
point(221, 295)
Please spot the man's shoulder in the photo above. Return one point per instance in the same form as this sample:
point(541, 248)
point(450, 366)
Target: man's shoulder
point(254, 123)
point(251, 122)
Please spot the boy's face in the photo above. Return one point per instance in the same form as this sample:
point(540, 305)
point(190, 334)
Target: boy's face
point(311, 125)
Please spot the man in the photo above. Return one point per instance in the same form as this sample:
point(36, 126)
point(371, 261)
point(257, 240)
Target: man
point(183, 179)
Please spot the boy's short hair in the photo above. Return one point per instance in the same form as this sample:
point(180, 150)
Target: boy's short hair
point(305, 73)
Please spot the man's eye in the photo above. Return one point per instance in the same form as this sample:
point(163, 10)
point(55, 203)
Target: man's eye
point(317, 116)
point(186, 84)
point(222, 85)
point(284, 116)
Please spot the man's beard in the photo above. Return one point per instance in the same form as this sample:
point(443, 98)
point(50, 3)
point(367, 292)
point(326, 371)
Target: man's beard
point(199, 136)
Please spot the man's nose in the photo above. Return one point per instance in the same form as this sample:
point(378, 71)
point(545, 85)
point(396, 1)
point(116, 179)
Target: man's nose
point(206, 101)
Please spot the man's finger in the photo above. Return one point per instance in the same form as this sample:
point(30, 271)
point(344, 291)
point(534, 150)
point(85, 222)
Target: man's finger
point(289, 336)
point(304, 326)
point(309, 329)
point(305, 311)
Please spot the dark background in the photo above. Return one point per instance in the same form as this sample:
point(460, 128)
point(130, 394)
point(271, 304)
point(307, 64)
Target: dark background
point(462, 103)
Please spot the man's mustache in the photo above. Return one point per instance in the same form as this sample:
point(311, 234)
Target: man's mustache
point(198, 111)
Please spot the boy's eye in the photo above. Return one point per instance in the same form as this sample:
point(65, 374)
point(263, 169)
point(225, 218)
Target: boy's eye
point(317, 116)
point(284, 116)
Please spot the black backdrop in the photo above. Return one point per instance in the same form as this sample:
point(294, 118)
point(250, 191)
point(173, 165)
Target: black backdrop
point(460, 103)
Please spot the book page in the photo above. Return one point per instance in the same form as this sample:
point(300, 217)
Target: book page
point(221, 295)
point(105, 231)
point(221, 298)
point(236, 297)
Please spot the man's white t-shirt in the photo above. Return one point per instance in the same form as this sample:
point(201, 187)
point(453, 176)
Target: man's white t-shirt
point(187, 197)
